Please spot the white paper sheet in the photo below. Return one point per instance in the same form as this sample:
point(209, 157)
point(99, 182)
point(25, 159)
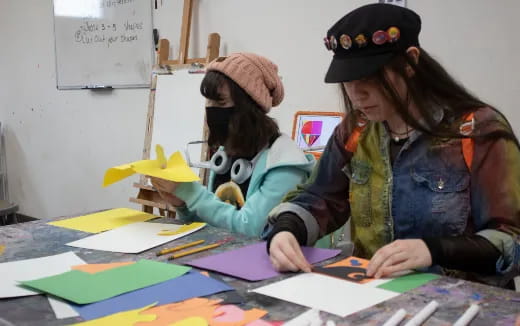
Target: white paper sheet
point(132, 239)
point(31, 269)
point(333, 295)
point(61, 308)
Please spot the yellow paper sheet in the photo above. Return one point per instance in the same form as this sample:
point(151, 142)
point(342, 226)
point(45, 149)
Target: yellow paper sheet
point(94, 268)
point(103, 221)
point(2, 249)
point(125, 318)
point(176, 169)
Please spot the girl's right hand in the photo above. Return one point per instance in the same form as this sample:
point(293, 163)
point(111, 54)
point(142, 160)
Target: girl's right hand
point(286, 255)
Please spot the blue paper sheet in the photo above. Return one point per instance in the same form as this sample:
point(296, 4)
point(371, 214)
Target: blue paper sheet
point(178, 289)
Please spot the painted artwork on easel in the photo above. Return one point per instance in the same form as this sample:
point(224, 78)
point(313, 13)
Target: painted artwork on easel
point(312, 129)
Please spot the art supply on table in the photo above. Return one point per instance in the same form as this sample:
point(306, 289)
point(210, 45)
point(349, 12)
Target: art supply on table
point(325, 293)
point(252, 262)
point(193, 251)
point(187, 286)
point(133, 238)
point(187, 245)
point(104, 221)
point(82, 288)
point(468, 315)
point(396, 318)
point(424, 314)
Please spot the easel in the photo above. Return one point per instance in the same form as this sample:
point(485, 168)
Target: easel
point(147, 196)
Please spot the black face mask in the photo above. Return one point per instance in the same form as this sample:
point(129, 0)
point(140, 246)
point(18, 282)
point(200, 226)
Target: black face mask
point(218, 123)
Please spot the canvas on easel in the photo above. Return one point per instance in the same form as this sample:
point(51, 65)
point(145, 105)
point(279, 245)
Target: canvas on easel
point(312, 129)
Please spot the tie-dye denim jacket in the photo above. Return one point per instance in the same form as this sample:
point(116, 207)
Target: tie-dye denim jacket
point(428, 190)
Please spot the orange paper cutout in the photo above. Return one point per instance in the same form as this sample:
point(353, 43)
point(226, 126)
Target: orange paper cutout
point(214, 315)
point(175, 312)
point(94, 268)
point(191, 321)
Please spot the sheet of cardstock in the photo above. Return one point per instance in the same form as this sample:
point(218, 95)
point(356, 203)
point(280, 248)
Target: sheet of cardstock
point(252, 262)
point(175, 169)
point(326, 293)
point(188, 286)
point(95, 268)
point(82, 288)
point(125, 318)
point(103, 221)
point(409, 282)
point(133, 238)
point(22, 270)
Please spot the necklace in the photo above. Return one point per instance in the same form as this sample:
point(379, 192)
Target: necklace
point(397, 136)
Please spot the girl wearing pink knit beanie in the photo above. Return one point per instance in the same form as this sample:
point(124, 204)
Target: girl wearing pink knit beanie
point(253, 165)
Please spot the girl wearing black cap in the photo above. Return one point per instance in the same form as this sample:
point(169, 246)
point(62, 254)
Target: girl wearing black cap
point(428, 173)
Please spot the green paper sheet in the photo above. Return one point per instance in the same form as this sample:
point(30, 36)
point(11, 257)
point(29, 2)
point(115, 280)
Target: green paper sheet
point(83, 288)
point(408, 282)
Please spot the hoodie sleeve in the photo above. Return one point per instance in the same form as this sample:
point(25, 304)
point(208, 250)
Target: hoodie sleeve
point(252, 217)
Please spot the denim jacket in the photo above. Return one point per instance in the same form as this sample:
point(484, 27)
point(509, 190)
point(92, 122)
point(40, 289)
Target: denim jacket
point(428, 191)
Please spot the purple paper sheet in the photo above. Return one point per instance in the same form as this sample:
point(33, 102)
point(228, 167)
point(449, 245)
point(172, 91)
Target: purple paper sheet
point(178, 289)
point(252, 262)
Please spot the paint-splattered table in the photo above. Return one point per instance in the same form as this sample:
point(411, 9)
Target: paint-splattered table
point(36, 239)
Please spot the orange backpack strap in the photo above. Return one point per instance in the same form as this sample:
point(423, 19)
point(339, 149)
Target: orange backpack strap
point(353, 139)
point(468, 144)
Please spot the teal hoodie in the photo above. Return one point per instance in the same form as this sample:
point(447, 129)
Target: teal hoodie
point(278, 170)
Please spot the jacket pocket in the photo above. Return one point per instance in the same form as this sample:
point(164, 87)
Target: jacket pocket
point(360, 194)
point(445, 201)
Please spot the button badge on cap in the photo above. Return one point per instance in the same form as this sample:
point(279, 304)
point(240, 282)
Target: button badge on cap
point(361, 40)
point(327, 43)
point(333, 42)
point(393, 34)
point(345, 41)
point(380, 37)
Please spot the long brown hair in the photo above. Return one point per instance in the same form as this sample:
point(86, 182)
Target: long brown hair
point(250, 129)
point(430, 86)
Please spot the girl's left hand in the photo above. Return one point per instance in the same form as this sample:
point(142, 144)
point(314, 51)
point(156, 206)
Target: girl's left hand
point(399, 256)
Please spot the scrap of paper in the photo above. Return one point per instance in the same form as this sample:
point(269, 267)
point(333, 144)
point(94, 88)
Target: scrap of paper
point(82, 288)
point(2, 249)
point(175, 169)
point(325, 293)
point(187, 286)
point(182, 229)
point(133, 238)
point(95, 268)
point(126, 318)
point(209, 310)
point(351, 269)
point(103, 221)
point(252, 262)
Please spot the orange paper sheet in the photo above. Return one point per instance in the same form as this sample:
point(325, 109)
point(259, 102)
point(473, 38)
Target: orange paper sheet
point(353, 262)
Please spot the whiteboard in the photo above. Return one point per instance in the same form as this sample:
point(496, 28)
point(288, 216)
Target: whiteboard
point(178, 116)
point(103, 43)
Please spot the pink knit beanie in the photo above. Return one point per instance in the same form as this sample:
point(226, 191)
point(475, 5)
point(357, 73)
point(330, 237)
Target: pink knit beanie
point(258, 76)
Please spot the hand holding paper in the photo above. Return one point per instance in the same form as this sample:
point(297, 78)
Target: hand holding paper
point(176, 169)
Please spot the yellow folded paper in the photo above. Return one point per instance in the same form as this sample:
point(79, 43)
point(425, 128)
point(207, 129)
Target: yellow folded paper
point(175, 169)
point(104, 221)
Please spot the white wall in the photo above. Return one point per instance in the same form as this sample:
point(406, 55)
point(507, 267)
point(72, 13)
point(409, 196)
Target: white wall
point(59, 143)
